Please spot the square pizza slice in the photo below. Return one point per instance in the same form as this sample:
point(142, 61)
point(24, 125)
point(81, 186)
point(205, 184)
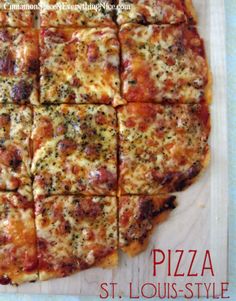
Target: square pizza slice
point(15, 153)
point(164, 64)
point(74, 150)
point(138, 216)
point(19, 65)
point(163, 148)
point(75, 14)
point(18, 248)
point(75, 233)
point(79, 66)
point(16, 17)
point(156, 12)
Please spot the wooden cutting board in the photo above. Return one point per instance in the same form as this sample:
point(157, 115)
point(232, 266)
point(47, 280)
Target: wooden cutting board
point(199, 222)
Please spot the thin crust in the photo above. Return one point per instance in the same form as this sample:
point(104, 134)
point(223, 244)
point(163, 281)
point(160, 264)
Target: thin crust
point(208, 88)
point(191, 12)
point(109, 262)
point(138, 216)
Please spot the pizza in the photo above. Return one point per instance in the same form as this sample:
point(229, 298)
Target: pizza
point(75, 233)
point(79, 66)
point(74, 150)
point(15, 157)
point(163, 148)
point(103, 115)
point(77, 16)
point(16, 18)
point(138, 216)
point(164, 64)
point(19, 65)
point(156, 12)
point(18, 252)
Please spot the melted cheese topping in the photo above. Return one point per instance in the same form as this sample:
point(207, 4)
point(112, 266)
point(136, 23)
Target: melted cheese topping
point(20, 48)
point(74, 233)
point(162, 148)
point(15, 159)
point(20, 90)
point(79, 66)
point(16, 18)
point(163, 64)
point(19, 65)
point(65, 18)
point(75, 150)
point(18, 258)
point(154, 11)
point(15, 123)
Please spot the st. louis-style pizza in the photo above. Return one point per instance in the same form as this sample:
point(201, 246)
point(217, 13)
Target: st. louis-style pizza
point(157, 12)
point(19, 64)
point(75, 233)
point(138, 216)
point(76, 14)
point(74, 150)
point(163, 64)
point(163, 148)
point(18, 253)
point(15, 131)
point(16, 17)
point(102, 117)
point(79, 66)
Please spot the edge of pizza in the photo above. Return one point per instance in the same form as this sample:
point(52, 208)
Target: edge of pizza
point(18, 254)
point(138, 216)
point(75, 233)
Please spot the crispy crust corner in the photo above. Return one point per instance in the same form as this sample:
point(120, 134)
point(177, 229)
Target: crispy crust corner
point(192, 15)
point(109, 261)
point(205, 162)
point(136, 247)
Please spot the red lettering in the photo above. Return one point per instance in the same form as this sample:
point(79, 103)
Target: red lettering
point(148, 284)
point(207, 260)
point(169, 262)
point(155, 262)
point(113, 284)
point(176, 274)
point(224, 288)
point(191, 264)
point(207, 289)
point(130, 292)
point(188, 287)
point(104, 286)
point(215, 295)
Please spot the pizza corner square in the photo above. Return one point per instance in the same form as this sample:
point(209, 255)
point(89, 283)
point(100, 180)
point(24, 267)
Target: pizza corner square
point(75, 233)
point(163, 64)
